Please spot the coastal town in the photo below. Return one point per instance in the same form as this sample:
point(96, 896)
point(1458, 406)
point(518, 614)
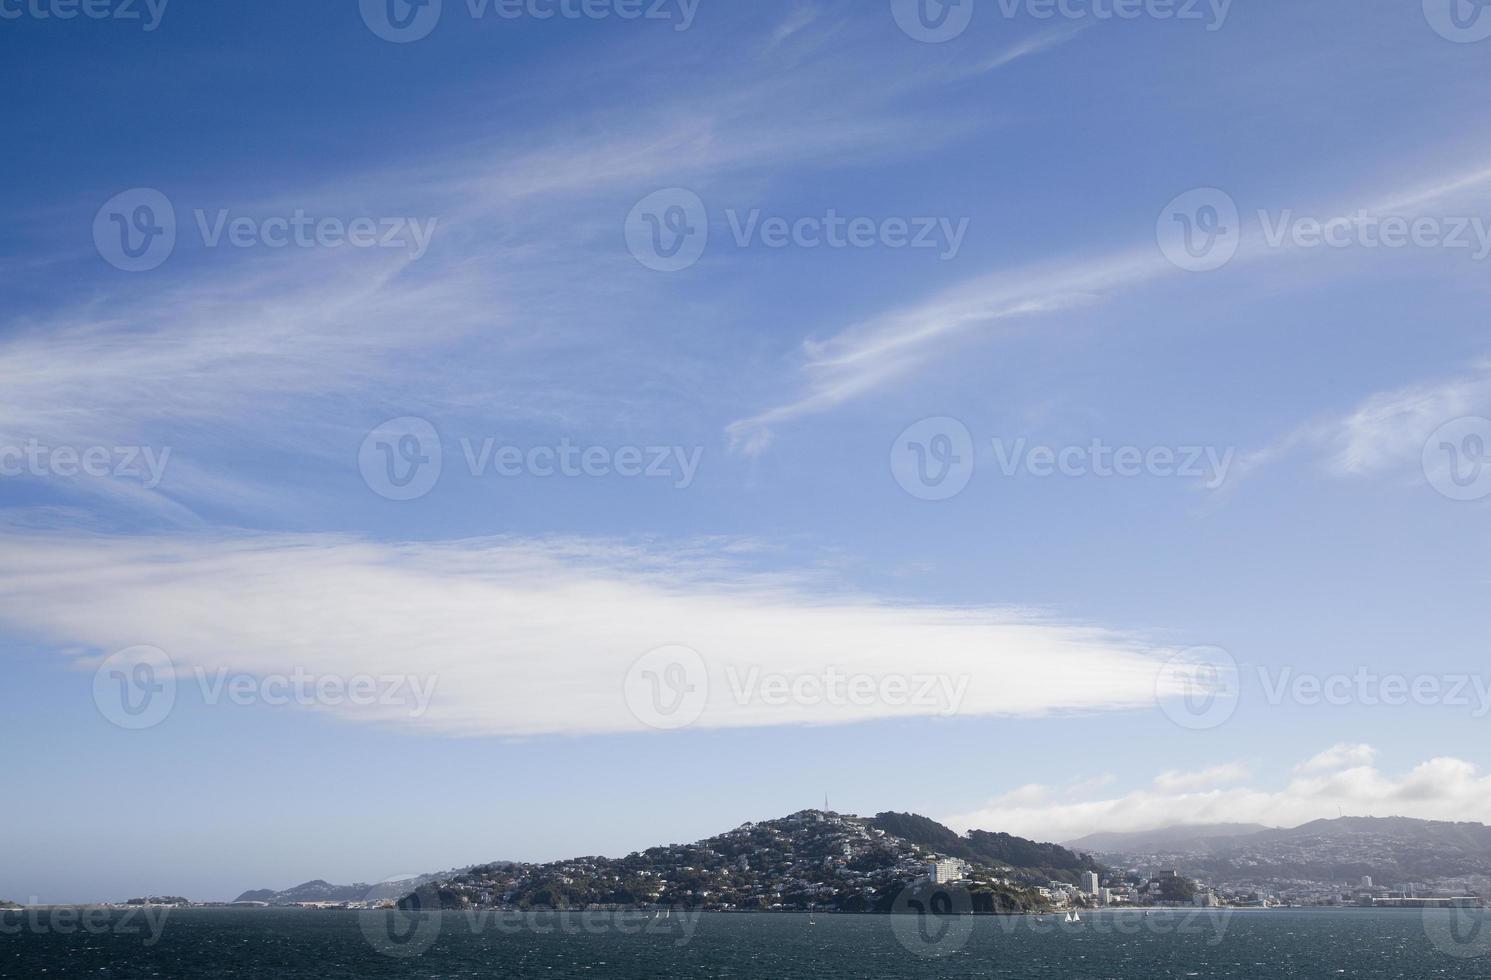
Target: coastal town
point(821, 861)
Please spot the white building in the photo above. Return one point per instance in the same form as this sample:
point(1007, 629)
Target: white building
point(1090, 882)
point(944, 870)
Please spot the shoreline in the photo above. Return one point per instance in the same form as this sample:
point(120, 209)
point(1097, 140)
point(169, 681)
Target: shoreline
point(681, 910)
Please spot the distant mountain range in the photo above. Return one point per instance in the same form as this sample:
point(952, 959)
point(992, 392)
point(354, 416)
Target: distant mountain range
point(1389, 849)
point(323, 891)
point(808, 860)
point(1144, 841)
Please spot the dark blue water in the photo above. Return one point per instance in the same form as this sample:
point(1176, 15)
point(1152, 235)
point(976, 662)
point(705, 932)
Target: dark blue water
point(288, 945)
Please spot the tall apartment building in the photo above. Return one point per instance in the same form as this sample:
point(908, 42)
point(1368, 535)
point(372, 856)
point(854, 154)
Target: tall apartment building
point(945, 870)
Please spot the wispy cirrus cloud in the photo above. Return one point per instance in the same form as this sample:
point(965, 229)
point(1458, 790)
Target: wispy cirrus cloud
point(874, 352)
point(1387, 432)
point(241, 349)
point(538, 637)
point(886, 348)
point(1033, 45)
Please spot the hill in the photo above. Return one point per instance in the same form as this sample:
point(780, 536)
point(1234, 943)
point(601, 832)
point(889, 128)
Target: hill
point(1050, 862)
point(1340, 851)
point(809, 860)
point(323, 891)
point(1195, 835)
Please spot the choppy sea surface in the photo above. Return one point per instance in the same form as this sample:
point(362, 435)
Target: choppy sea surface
point(329, 945)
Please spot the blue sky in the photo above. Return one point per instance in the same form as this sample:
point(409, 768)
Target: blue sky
point(244, 404)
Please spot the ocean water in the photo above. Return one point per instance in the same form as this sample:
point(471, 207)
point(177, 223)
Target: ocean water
point(288, 945)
